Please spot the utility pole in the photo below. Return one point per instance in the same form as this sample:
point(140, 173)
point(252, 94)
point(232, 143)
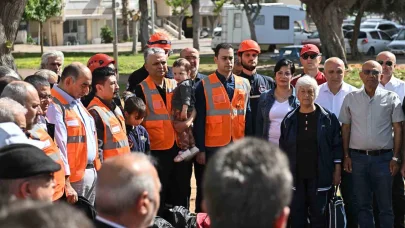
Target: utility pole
point(152, 11)
point(114, 15)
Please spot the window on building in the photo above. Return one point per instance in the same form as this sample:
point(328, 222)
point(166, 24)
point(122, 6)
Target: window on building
point(281, 22)
point(237, 20)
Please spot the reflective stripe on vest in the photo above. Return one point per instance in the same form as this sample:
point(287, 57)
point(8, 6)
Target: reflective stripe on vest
point(52, 150)
point(76, 146)
point(157, 121)
point(115, 137)
point(225, 119)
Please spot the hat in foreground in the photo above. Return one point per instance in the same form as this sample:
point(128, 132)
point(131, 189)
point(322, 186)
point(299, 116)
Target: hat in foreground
point(24, 160)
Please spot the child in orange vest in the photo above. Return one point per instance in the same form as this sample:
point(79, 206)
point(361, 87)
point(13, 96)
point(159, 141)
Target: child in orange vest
point(182, 106)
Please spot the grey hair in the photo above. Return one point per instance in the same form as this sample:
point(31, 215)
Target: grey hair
point(9, 108)
point(152, 51)
point(307, 80)
point(5, 71)
point(48, 54)
point(247, 184)
point(17, 92)
point(45, 73)
point(118, 197)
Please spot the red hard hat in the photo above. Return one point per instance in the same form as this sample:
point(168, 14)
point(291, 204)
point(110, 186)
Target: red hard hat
point(249, 45)
point(160, 40)
point(99, 60)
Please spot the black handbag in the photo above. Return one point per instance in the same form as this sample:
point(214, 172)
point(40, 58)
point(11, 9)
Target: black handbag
point(335, 211)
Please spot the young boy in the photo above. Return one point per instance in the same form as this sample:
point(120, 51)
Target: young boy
point(138, 137)
point(182, 106)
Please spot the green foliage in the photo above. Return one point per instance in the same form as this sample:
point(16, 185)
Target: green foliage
point(106, 35)
point(42, 10)
point(218, 6)
point(30, 40)
point(179, 7)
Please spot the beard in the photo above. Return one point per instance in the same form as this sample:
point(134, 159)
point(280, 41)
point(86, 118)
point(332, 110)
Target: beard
point(247, 67)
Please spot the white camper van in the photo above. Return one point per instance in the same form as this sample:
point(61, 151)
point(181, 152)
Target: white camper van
point(276, 25)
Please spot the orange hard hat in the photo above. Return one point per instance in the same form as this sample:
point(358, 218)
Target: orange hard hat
point(249, 45)
point(160, 40)
point(99, 60)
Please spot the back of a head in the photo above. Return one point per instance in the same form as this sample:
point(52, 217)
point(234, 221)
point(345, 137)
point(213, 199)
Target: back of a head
point(120, 183)
point(5, 80)
point(45, 73)
point(17, 91)
point(27, 214)
point(37, 81)
point(5, 71)
point(247, 184)
point(9, 109)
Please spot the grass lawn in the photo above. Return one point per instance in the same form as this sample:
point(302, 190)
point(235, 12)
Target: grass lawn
point(128, 63)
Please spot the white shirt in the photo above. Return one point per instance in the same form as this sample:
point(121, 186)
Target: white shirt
point(395, 85)
point(56, 117)
point(276, 116)
point(331, 101)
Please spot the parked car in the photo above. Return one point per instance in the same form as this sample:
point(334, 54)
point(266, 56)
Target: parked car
point(397, 46)
point(389, 27)
point(369, 41)
point(313, 39)
point(347, 27)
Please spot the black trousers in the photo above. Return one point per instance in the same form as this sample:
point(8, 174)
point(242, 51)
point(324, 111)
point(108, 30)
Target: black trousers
point(174, 177)
point(398, 203)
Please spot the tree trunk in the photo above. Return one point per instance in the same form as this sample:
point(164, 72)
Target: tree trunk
point(195, 4)
point(356, 30)
point(143, 7)
point(134, 36)
point(41, 38)
point(328, 17)
point(125, 20)
point(10, 15)
point(251, 27)
point(179, 25)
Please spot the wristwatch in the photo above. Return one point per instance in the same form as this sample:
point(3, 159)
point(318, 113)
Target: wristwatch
point(397, 160)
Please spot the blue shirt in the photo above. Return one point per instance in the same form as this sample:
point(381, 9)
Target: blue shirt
point(138, 139)
point(56, 117)
point(200, 106)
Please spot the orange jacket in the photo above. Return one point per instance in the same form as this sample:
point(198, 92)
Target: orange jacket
point(157, 121)
point(225, 120)
point(115, 135)
point(76, 145)
point(52, 150)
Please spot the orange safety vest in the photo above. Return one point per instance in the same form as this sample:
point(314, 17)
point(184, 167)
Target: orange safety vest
point(76, 145)
point(157, 121)
point(52, 150)
point(225, 120)
point(115, 135)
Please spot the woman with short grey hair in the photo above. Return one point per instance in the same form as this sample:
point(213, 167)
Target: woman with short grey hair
point(310, 136)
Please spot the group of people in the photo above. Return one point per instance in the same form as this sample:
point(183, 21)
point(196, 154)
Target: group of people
point(316, 133)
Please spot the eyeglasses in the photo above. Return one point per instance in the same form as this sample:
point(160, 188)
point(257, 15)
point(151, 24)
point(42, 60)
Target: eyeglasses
point(372, 72)
point(312, 56)
point(388, 63)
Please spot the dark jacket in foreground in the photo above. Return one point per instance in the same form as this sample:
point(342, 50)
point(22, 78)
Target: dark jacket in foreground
point(329, 144)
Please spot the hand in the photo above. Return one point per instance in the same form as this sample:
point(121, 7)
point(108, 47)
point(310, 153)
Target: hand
point(180, 126)
point(183, 115)
point(337, 175)
point(200, 158)
point(347, 165)
point(403, 169)
point(71, 194)
point(394, 167)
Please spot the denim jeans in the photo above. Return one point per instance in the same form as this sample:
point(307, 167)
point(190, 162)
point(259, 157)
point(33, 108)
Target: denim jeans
point(349, 198)
point(371, 175)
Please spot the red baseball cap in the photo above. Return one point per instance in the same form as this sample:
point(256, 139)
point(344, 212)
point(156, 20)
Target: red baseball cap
point(309, 48)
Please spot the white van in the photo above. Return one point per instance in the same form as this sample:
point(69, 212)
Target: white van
point(276, 25)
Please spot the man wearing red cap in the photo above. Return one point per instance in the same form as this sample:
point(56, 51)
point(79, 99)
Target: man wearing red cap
point(159, 40)
point(248, 54)
point(310, 58)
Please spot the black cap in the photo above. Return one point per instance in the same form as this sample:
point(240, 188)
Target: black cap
point(24, 160)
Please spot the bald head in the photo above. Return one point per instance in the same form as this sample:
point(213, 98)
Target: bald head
point(334, 72)
point(76, 80)
point(193, 56)
point(128, 186)
point(371, 63)
point(388, 62)
point(25, 94)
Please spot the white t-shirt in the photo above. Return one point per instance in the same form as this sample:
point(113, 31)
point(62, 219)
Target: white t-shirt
point(276, 116)
point(331, 101)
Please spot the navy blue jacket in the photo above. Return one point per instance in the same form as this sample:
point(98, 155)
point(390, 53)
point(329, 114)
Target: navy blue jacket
point(266, 101)
point(330, 145)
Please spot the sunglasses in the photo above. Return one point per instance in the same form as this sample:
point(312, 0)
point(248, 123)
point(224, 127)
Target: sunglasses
point(372, 72)
point(312, 56)
point(388, 63)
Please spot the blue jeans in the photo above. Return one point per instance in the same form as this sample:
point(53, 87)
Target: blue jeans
point(371, 174)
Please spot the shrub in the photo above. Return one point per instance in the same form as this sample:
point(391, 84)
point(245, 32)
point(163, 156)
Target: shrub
point(106, 35)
